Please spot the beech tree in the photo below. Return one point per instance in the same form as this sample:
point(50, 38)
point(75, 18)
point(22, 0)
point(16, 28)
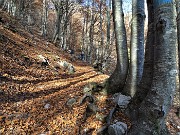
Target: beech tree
point(148, 117)
point(117, 80)
point(152, 101)
point(44, 18)
point(136, 47)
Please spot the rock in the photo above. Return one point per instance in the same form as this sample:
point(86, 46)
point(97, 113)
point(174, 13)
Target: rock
point(57, 65)
point(119, 128)
point(71, 69)
point(91, 87)
point(71, 102)
point(87, 90)
point(122, 100)
point(101, 117)
point(42, 60)
point(47, 106)
point(66, 66)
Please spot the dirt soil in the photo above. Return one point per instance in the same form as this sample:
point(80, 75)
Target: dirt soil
point(33, 97)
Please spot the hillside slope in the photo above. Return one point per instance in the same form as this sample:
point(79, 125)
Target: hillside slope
point(34, 92)
point(33, 96)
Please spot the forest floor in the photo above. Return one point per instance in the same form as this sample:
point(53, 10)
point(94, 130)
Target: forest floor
point(33, 98)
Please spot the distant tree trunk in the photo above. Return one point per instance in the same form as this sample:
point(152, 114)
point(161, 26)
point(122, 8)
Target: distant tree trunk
point(20, 7)
point(102, 33)
point(2, 3)
point(83, 33)
point(44, 19)
point(10, 7)
point(86, 37)
point(137, 47)
point(59, 12)
point(65, 23)
point(152, 112)
point(117, 80)
point(91, 34)
point(108, 28)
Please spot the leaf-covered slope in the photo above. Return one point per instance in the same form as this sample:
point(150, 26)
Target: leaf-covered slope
point(33, 96)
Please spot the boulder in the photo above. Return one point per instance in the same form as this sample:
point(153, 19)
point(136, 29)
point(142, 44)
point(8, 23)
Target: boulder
point(47, 106)
point(65, 66)
point(122, 101)
point(43, 60)
point(71, 102)
point(91, 87)
point(101, 117)
point(87, 90)
point(119, 128)
point(71, 69)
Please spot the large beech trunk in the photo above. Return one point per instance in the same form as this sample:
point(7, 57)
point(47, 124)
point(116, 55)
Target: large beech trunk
point(147, 77)
point(117, 80)
point(152, 112)
point(137, 47)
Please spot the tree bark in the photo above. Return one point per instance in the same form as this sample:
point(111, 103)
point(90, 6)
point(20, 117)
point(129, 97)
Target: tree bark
point(117, 80)
point(59, 14)
point(153, 110)
point(91, 34)
point(147, 77)
point(137, 48)
point(44, 19)
point(178, 36)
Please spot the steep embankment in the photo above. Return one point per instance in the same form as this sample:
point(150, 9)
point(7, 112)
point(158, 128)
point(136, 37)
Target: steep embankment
point(33, 93)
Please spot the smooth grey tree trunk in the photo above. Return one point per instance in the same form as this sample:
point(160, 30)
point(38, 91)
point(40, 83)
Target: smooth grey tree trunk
point(107, 50)
point(153, 110)
point(102, 33)
point(147, 77)
point(91, 34)
point(137, 48)
point(117, 80)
